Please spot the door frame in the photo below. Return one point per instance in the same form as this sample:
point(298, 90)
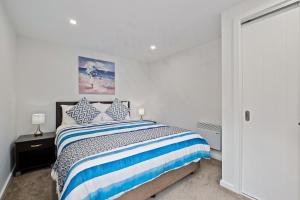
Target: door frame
point(238, 113)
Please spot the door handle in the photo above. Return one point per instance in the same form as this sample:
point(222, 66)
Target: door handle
point(247, 115)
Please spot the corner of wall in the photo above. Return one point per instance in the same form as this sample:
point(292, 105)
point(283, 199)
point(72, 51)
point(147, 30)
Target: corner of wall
point(8, 104)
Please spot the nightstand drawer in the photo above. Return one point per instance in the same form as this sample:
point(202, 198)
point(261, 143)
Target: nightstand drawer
point(34, 145)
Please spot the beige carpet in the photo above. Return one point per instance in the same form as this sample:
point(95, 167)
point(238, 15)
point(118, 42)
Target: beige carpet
point(203, 185)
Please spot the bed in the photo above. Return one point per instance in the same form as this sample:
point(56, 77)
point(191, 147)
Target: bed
point(122, 160)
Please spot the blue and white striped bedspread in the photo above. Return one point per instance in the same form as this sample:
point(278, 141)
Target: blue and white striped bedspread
point(103, 161)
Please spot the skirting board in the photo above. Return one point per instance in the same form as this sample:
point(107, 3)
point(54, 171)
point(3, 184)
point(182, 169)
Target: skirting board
point(230, 187)
point(5, 185)
point(227, 185)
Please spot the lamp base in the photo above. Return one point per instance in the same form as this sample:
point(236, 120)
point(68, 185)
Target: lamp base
point(38, 131)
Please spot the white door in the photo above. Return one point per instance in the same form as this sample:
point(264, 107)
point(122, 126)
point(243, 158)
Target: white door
point(271, 94)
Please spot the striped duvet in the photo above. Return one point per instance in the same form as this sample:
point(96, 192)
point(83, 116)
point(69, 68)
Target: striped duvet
point(103, 161)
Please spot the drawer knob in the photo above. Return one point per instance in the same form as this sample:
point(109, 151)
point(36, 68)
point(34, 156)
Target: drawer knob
point(35, 145)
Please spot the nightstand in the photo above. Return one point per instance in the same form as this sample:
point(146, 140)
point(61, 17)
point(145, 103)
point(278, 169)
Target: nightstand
point(34, 151)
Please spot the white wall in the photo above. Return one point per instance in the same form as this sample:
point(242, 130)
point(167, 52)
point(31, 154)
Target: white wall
point(186, 87)
point(231, 115)
point(7, 100)
point(48, 72)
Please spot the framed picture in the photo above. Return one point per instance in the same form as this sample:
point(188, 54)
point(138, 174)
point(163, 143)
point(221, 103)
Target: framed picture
point(96, 76)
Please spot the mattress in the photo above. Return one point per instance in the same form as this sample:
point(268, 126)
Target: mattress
point(106, 160)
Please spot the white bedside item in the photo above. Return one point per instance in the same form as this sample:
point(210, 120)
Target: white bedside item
point(38, 119)
point(141, 112)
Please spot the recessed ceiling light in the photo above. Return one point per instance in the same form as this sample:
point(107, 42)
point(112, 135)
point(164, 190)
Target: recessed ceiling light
point(73, 21)
point(152, 47)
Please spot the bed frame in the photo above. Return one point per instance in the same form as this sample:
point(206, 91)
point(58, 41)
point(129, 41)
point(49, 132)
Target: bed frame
point(146, 190)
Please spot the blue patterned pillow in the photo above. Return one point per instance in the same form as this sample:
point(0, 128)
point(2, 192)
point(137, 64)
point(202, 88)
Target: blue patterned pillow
point(83, 112)
point(117, 111)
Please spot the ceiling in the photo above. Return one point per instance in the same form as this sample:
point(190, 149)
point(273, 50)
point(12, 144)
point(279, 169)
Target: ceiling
point(121, 27)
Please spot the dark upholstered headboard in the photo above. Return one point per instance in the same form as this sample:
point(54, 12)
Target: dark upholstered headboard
point(59, 109)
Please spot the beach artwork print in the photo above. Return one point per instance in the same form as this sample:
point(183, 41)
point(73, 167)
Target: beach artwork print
point(96, 76)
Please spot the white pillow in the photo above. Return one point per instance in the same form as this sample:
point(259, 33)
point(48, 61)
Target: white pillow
point(102, 116)
point(66, 119)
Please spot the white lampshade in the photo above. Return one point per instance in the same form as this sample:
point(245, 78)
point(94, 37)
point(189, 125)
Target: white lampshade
point(38, 118)
point(141, 111)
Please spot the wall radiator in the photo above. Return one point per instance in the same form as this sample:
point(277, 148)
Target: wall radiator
point(212, 133)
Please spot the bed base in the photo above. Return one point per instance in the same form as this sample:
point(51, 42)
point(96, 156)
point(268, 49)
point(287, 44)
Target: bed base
point(155, 186)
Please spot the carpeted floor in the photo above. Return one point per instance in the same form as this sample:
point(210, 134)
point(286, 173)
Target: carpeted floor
point(203, 185)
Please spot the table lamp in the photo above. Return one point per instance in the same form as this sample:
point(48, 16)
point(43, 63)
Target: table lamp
point(38, 119)
point(141, 112)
